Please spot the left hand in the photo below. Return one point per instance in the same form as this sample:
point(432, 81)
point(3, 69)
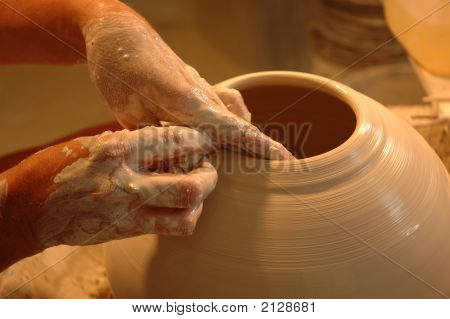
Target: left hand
point(151, 180)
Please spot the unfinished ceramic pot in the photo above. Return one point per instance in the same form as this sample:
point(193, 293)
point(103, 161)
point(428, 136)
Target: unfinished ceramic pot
point(364, 213)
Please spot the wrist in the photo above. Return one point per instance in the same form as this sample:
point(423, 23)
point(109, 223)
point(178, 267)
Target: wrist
point(85, 11)
point(28, 185)
point(16, 234)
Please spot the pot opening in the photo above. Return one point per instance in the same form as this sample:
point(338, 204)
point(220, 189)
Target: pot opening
point(308, 123)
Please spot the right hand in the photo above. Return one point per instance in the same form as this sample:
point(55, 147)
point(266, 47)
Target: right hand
point(145, 82)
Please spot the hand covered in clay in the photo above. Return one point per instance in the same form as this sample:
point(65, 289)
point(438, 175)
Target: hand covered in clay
point(145, 82)
point(151, 180)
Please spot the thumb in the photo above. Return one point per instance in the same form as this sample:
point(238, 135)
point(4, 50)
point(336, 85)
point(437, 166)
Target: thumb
point(234, 102)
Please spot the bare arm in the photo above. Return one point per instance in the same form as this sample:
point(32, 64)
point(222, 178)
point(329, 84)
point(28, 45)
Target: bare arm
point(48, 31)
point(140, 77)
point(23, 187)
point(43, 201)
point(104, 187)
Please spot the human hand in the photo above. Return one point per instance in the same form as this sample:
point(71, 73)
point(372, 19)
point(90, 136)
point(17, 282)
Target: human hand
point(145, 82)
point(152, 180)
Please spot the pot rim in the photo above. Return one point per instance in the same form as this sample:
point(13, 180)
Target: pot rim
point(317, 83)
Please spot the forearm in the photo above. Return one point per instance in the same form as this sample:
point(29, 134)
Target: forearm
point(49, 31)
point(13, 231)
point(23, 190)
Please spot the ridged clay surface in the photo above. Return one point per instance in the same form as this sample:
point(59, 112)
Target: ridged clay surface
point(368, 219)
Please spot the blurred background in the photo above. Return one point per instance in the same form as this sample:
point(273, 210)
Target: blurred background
point(221, 40)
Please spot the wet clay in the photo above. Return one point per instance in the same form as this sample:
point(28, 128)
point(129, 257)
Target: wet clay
point(367, 219)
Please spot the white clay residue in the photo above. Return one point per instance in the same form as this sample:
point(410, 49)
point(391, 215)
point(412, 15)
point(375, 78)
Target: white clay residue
point(67, 151)
point(107, 196)
point(3, 194)
point(145, 82)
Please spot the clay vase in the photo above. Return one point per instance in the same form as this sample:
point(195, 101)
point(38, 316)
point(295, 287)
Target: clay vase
point(363, 214)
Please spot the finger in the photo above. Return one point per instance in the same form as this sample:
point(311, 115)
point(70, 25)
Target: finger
point(234, 132)
point(183, 165)
point(148, 146)
point(135, 118)
point(169, 221)
point(170, 190)
point(228, 129)
point(171, 142)
point(256, 143)
point(234, 102)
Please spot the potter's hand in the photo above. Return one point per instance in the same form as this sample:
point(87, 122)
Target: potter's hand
point(145, 82)
point(110, 186)
point(147, 181)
